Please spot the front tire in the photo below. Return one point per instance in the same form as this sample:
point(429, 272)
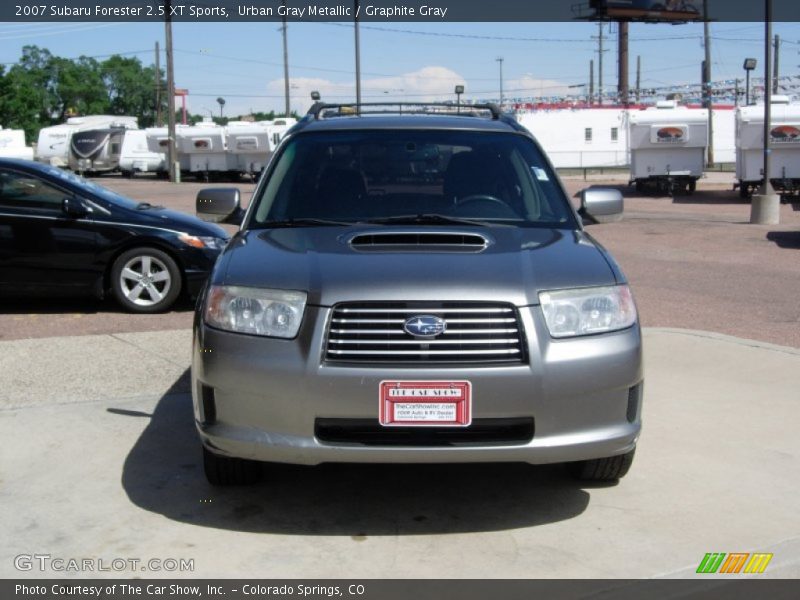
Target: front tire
point(224, 470)
point(145, 280)
point(602, 469)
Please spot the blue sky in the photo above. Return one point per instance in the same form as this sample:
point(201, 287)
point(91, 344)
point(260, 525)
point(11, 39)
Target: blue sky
point(242, 62)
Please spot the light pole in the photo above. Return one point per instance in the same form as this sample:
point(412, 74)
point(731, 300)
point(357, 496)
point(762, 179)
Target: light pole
point(459, 90)
point(749, 65)
point(358, 61)
point(221, 102)
point(500, 59)
point(765, 207)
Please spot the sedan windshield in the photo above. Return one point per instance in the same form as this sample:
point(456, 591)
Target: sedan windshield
point(91, 187)
point(437, 177)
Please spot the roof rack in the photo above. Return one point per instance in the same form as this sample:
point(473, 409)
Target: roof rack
point(320, 110)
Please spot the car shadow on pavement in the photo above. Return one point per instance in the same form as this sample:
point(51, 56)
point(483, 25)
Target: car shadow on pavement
point(163, 473)
point(785, 239)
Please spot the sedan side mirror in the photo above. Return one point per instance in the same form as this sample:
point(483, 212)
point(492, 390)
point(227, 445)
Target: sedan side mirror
point(601, 205)
point(220, 205)
point(73, 207)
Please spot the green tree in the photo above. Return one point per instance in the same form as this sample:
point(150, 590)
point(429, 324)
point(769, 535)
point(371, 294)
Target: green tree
point(131, 89)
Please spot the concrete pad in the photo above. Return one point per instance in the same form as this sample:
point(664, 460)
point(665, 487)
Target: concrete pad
point(118, 475)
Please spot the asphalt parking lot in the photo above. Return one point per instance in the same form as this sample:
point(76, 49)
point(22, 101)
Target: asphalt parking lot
point(100, 459)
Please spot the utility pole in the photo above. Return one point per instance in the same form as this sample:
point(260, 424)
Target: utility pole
point(500, 60)
point(708, 102)
point(591, 82)
point(358, 62)
point(158, 86)
point(172, 155)
point(638, 78)
point(288, 108)
point(600, 51)
point(622, 50)
point(736, 92)
point(776, 66)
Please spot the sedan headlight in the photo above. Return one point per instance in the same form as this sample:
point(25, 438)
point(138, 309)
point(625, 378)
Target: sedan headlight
point(198, 241)
point(273, 313)
point(584, 311)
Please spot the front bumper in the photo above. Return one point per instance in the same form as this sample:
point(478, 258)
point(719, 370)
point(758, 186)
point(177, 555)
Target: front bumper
point(260, 398)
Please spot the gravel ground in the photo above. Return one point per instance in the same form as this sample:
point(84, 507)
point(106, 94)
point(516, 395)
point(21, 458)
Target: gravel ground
point(693, 262)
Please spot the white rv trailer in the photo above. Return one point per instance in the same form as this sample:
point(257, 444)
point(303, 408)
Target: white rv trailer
point(12, 144)
point(784, 147)
point(251, 144)
point(668, 147)
point(205, 145)
point(279, 127)
point(136, 157)
point(158, 143)
point(53, 145)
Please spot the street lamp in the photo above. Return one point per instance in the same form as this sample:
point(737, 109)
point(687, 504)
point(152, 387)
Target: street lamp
point(459, 90)
point(749, 65)
point(315, 96)
point(500, 60)
point(221, 102)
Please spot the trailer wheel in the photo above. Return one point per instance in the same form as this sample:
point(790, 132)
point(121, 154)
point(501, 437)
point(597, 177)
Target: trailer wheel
point(744, 190)
point(690, 189)
point(639, 186)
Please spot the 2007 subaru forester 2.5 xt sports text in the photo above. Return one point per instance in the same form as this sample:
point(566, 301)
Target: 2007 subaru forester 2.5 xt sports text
point(411, 284)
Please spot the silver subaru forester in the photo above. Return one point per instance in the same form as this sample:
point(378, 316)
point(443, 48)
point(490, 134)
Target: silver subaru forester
point(411, 284)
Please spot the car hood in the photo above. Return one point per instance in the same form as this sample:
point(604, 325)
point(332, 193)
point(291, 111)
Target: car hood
point(515, 265)
point(179, 221)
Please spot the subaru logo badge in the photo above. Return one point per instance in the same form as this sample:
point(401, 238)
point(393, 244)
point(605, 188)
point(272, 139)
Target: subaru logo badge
point(425, 326)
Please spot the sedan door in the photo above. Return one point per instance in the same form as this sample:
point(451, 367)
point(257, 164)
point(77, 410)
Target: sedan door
point(42, 248)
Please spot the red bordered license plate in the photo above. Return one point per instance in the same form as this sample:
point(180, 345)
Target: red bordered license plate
point(425, 403)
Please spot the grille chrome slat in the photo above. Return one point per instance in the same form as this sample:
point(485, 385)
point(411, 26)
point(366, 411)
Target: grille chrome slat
point(418, 352)
point(373, 332)
point(423, 310)
point(425, 341)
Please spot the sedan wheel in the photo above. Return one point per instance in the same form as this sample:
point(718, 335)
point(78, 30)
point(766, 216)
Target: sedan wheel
point(145, 280)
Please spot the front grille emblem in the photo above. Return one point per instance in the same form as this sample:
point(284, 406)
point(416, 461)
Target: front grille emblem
point(425, 326)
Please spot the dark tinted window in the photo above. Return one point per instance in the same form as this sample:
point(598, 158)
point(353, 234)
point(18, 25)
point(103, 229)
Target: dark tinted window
point(364, 175)
point(23, 191)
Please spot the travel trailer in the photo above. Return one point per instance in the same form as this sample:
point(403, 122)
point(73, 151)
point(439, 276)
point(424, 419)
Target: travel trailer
point(12, 144)
point(54, 143)
point(205, 146)
point(251, 144)
point(784, 147)
point(668, 147)
point(136, 156)
point(158, 143)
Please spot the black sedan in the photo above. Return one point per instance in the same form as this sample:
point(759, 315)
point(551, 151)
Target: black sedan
point(63, 235)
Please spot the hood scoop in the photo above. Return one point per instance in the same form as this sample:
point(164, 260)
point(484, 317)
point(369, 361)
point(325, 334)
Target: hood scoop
point(419, 241)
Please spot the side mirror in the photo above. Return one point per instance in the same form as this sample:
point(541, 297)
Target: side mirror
point(73, 207)
point(220, 205)
point(601, 205)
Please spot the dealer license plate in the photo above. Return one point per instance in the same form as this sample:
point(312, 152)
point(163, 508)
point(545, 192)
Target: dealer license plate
point(425, 403)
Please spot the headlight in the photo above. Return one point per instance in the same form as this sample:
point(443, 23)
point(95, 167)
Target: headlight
point(273, 313)
point(197, 241)
point(585, 311)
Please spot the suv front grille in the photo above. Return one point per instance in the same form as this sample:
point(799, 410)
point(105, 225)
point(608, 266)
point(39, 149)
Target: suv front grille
point(373, 332)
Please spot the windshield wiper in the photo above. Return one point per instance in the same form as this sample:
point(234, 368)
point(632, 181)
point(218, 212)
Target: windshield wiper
point(304, 222)
point(427, 219)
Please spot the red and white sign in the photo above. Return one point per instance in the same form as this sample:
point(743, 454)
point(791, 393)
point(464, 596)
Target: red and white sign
point(425, 403)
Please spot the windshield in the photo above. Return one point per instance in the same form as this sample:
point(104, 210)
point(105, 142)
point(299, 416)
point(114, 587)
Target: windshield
point(419, 176)
point(97, 190)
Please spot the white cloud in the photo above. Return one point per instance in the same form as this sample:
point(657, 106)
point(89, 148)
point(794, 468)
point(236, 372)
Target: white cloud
point(425, 85)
